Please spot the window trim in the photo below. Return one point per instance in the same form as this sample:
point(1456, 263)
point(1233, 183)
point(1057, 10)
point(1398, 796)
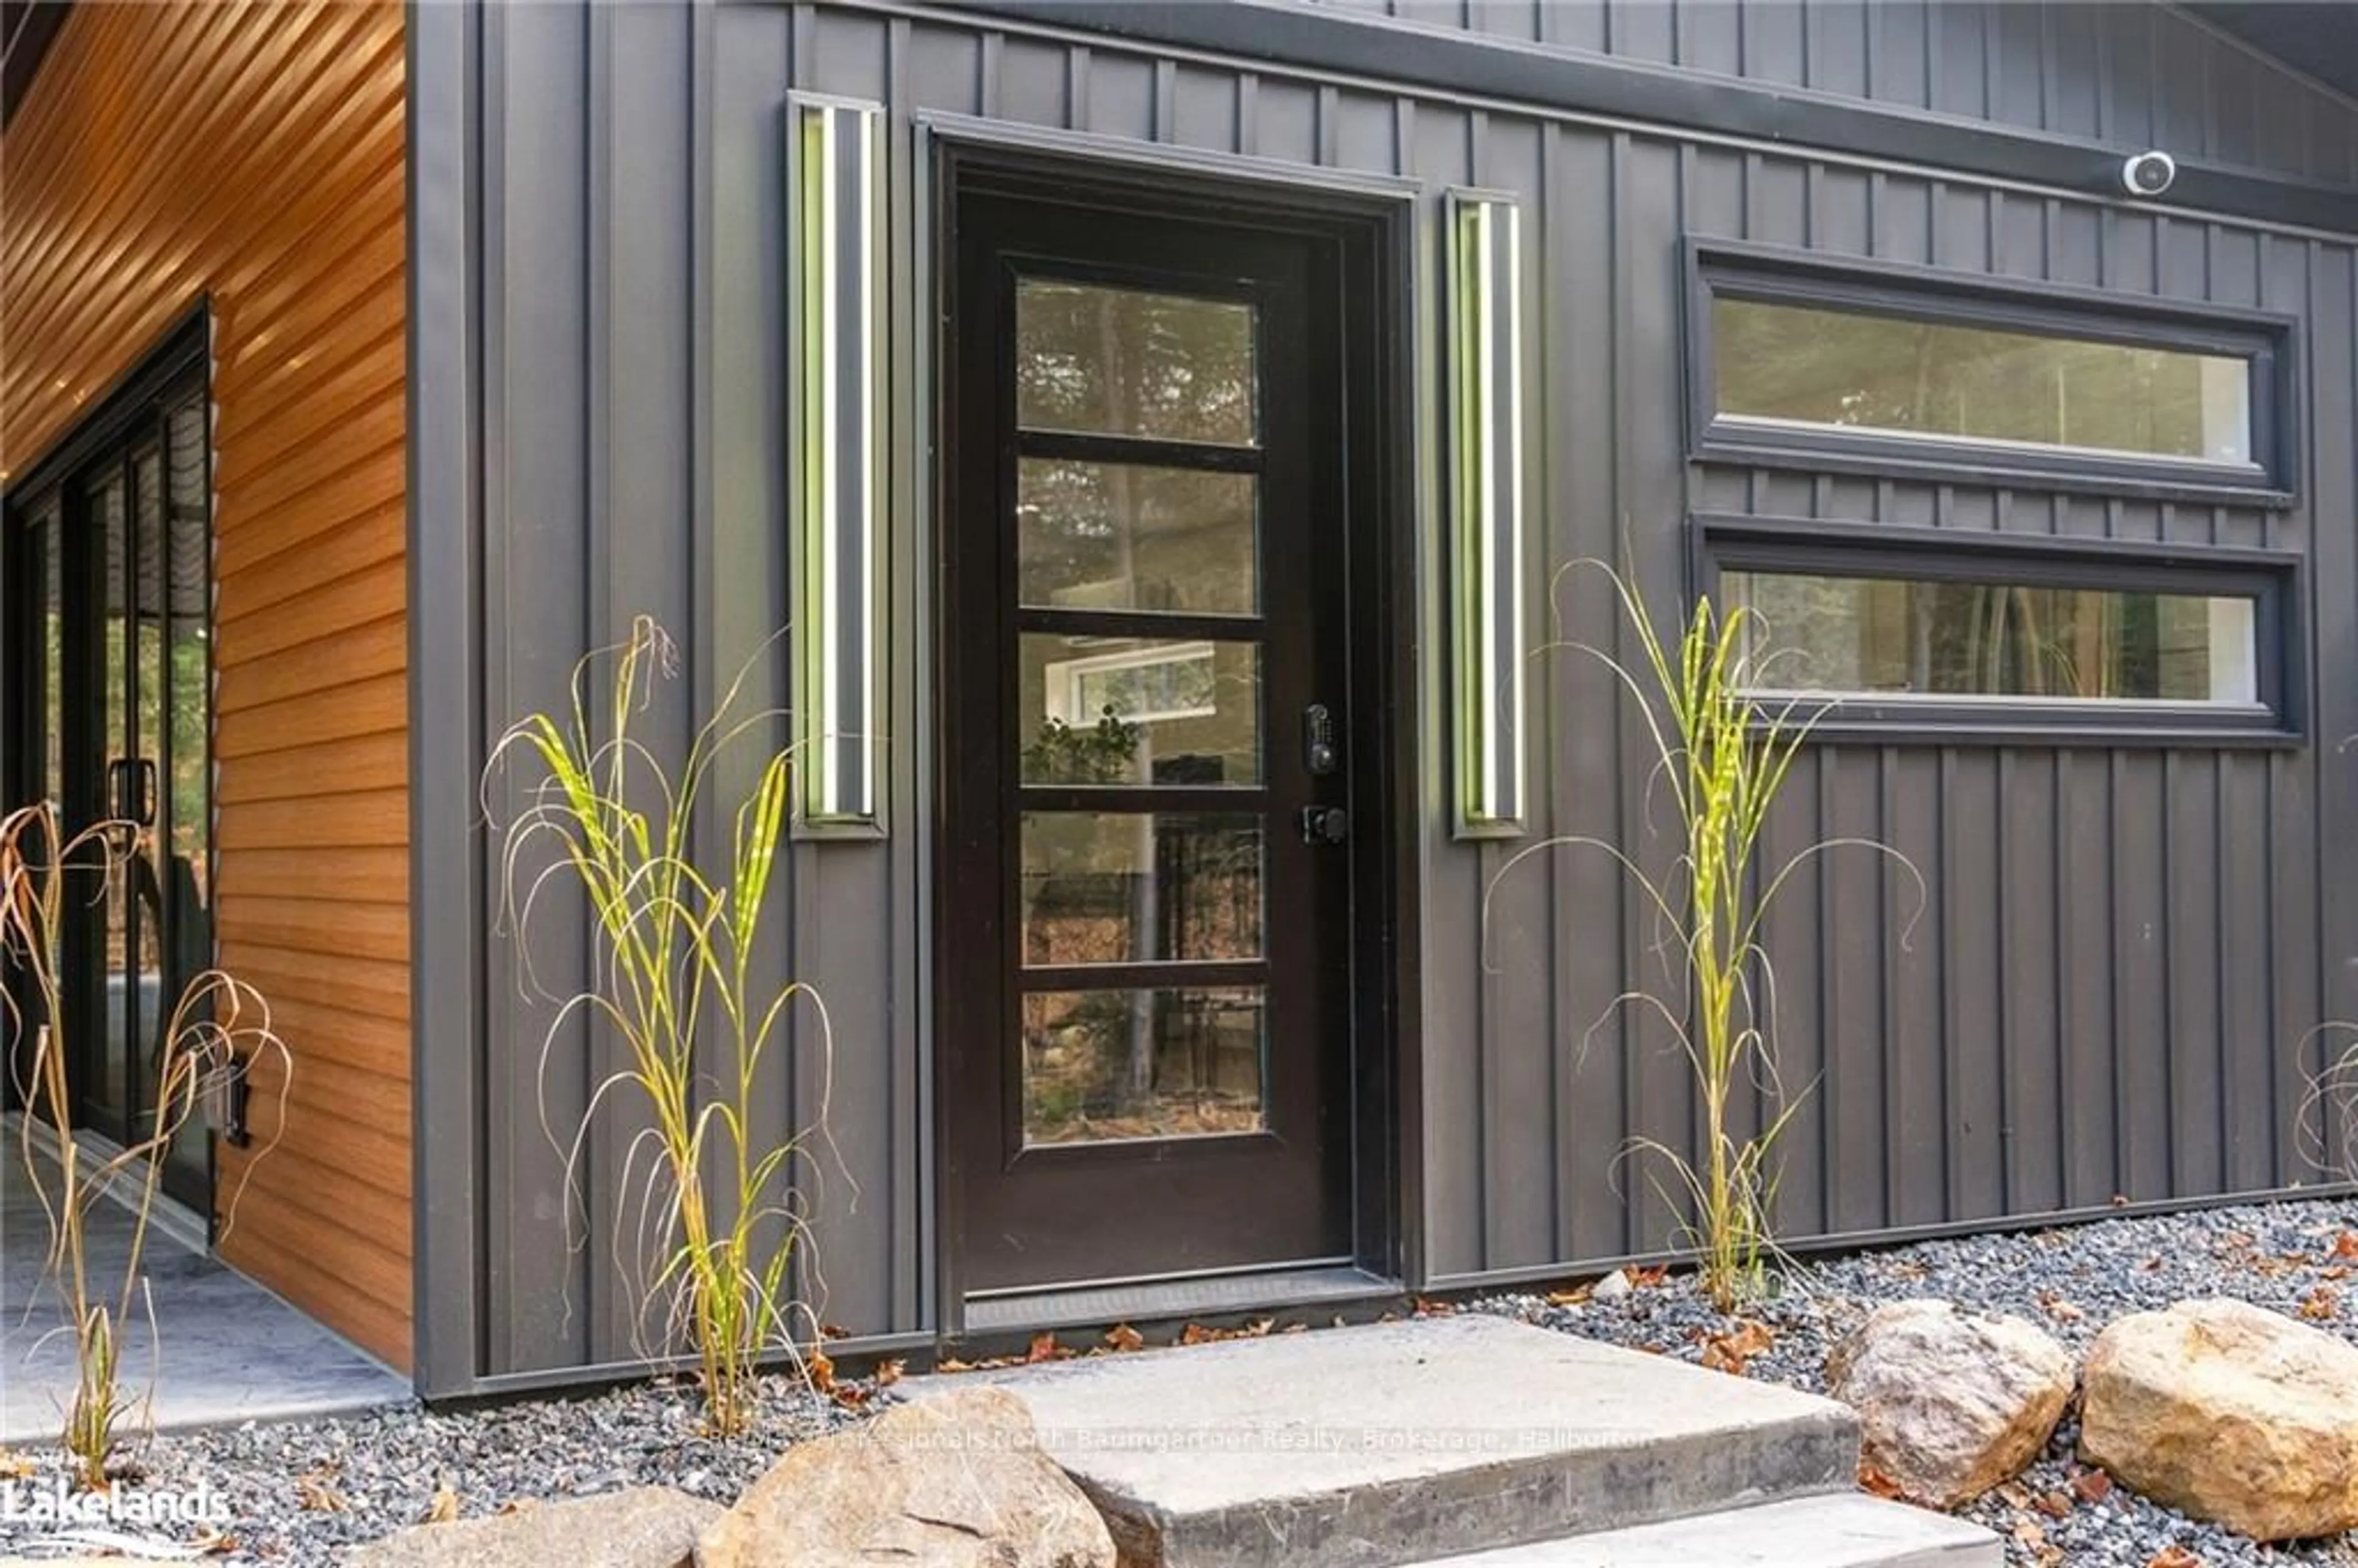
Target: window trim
point(2274, 578)
point(1781, 275)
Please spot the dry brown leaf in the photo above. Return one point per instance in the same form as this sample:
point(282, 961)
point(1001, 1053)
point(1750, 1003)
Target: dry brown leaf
point(1426, 1306)
point(1577, 1296)
point(889, 1372)
point(1733, 1351)
point(1122, 1336)
point(445, 1505)
point(2174, 1557)
point(1045, 1349)
point(952, 1364)
point(820, 1369)
point(2345, 1245)
point(519, 1505)
point(314, 1492)
point(14, 1466)
point(1642, 1278)
point(2029, 1532)
point(2322, 1304)
point(2093, 1486)
point(1876, 1484)
point(2054, 1505)
point(2053, 1304)
point(833, 1331)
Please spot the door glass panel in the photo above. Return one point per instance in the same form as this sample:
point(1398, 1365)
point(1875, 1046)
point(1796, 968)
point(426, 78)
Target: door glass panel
point(1103, 887)
point(1128, 536)
point(104, 1085)
point(145, 758)
point(1138, 710)
point(49, 646)
point(1122, 362)
point(1168, 1062)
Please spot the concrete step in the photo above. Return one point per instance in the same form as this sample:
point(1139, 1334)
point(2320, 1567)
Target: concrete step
point(1394, 1443)
point(1839, 1530)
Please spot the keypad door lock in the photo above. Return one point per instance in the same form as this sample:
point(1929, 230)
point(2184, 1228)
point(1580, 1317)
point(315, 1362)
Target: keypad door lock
point(1318, 753)
point(1325, 824)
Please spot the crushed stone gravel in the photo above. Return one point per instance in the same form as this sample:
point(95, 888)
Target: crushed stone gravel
point(2071, 1280)
point(302, 1492)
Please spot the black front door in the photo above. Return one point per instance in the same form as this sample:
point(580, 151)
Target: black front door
point(1146, 880)
point(111, 676)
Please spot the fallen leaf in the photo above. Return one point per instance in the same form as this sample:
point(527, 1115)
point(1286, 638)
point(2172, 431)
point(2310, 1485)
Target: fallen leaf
point(445, 1505)
point(2322, 1304)
point(833, 1331)
point(2093, 1486)
point(1045, 1349)
point(2054, 1505)
point(952, 1364)
point(889, 1372)
point(1122, 1336)
point(1730, 1352)
point(1428, 1307)
point(820, 1371)
point(1577, 1296)
point(2150, 1266)
point(14, 1466)
point(2120, 1200)
point(519, 1505)
point(2053, 1304)
point(1876, 1484)
point(1641, 1278)
point(2174, 1557)
point(2345, 1245)
point(314, 1492)
point(2030, 1532)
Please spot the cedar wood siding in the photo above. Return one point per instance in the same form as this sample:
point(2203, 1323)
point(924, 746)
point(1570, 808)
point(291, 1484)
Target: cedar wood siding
point(2170, 921)
point(253, 155)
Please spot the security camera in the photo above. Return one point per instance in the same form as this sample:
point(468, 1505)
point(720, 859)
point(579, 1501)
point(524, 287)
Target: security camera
point(2148, 174)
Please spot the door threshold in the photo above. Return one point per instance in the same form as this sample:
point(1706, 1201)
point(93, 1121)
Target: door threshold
point(167, 1215)
point(1208, 1295)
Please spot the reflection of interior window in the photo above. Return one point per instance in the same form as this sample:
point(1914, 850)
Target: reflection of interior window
point(1902, 637)
point(1138, 686)
point(1811, 365)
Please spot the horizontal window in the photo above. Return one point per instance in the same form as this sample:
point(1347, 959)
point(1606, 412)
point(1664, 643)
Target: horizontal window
point(1908, 637)
point(1894, 627)
point(1803, 360)
point(1803, 364)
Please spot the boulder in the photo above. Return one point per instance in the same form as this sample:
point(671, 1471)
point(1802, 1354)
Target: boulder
point(1950, 1403)
point(2231, 1413)
point(646, 1527)
point(957, 1480)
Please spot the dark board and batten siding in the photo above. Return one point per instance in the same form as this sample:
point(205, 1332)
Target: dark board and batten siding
point(2117, 71)
point(2165, 932)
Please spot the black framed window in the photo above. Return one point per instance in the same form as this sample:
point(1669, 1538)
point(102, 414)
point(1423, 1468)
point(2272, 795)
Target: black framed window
point(1797, 359)
point(1882, 630)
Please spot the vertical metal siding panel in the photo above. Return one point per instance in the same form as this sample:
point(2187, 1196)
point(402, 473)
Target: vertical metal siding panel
point(1791, 1009)
point(1573, 24)
point(2028, 980)
point(2250, 1077)
point(2089, 1097)
point(1648, 483)
point(2181, 107)
point(1916, 1129)
point(1035, 84)
point(1711, 35)
point(2125, 48)
point(1643, 29)
point(1973, 1022)
point(1899, 62)
point(2191, 905)
point(2332, 309)
point(1514, 919)
point(1285, 120)
point(2140, 972)
point(539, 1281)
point(1835, 47)
point(2074, 71)
point(2017, 64)
point(945, 69)
point(2234, 104)
point(1204, 109)
point(1855, 929)
point(1960, 56)
point(1772, 41)
point(738, 542)
point(1585, 731)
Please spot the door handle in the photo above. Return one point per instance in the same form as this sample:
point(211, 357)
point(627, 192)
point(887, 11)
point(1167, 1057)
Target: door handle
point(1318, 753)
point(1325, 824)
point(130, 790)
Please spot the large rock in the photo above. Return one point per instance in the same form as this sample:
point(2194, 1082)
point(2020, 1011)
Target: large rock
point(1950, 1403)
point(647, 1527)
point(2231, 1413)
point(954, 1481)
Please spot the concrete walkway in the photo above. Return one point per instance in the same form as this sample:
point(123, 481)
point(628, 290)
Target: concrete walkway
point(230, 1351)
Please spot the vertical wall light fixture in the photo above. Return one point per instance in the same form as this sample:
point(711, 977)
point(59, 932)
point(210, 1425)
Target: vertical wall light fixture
point(1484, 279)
point(835, 282)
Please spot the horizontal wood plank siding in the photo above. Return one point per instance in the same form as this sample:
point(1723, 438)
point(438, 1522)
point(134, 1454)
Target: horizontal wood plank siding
point(253, 155)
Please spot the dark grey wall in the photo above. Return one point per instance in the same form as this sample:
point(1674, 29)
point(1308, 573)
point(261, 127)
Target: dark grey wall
point(2131, 71)
point(2169, 926)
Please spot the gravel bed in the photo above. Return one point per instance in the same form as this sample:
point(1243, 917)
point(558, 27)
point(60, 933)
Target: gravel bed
point(300, 1491)
point(2071, 1281)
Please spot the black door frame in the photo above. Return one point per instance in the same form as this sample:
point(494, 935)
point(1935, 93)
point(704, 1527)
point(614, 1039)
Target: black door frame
point(178, 359)
point(1376, 227)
